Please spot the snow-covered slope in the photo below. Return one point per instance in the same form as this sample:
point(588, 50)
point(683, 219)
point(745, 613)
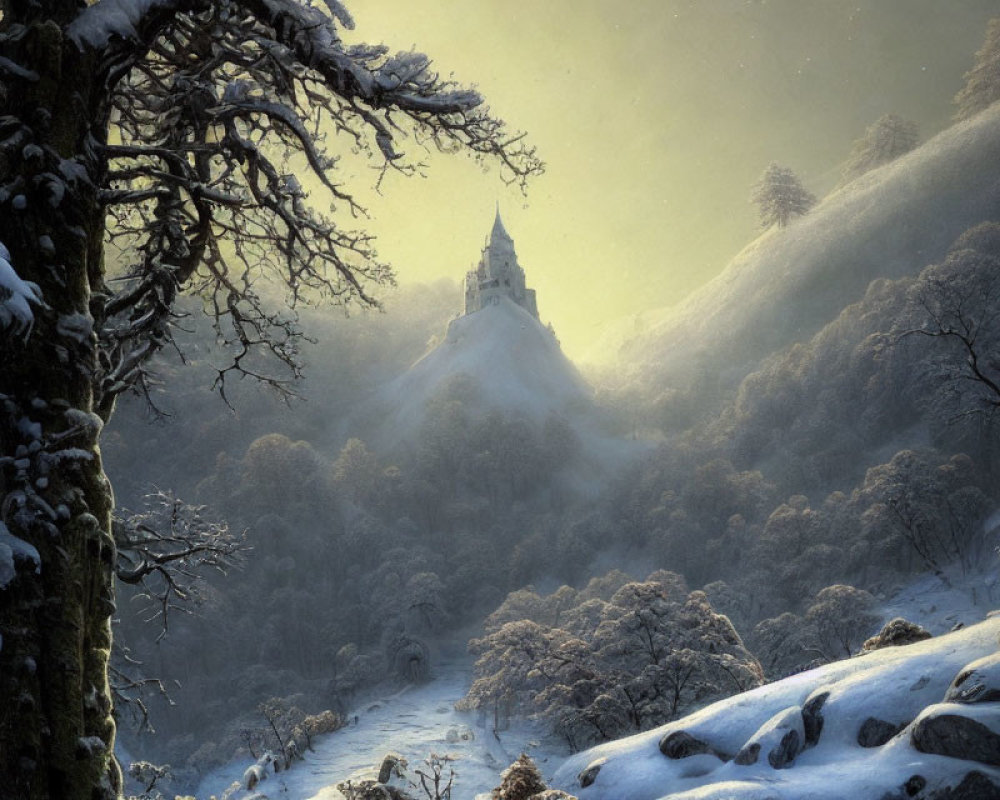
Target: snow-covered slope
point(827, 734)
point(513, 359)
point(788, 283)
point(413, 723)
point(507, 361)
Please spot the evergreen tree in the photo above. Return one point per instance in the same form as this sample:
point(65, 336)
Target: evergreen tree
point(982, 82)
point(885, 140)
point(174, 129)
point(779, 196)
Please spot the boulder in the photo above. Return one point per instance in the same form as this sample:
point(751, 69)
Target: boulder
point(681, 744)
point(812, 717)
point(978, 682)
point(782, 737)
point(747, 755)
point(876, 732)
point(945, 730)
point(974, 786)
point(895, 633)
point(392, 765)
point(589, 775)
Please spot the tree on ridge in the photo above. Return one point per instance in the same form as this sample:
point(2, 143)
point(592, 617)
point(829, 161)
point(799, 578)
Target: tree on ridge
point(779, 196)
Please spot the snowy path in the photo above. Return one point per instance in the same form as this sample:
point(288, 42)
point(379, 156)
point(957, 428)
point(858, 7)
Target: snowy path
point(413, 723)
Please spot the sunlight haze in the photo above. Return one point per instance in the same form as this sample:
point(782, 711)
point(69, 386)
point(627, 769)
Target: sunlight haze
point(654, 120)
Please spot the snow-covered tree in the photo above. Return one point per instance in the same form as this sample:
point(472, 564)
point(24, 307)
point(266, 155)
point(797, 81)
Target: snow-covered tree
point(623, 664)
point(885, 140)
point(842, 618)
point(173, 131)
point(779, 196)
point(958, 303)
point(982, 82)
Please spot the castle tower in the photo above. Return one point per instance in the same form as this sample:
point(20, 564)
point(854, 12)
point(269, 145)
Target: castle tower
point(498, 275)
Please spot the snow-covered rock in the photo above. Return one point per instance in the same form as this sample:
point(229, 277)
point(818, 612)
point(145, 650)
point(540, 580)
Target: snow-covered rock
point(868, 728)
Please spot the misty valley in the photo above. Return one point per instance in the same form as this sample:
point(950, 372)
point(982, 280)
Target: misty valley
point(273, 525)
point(746, 496)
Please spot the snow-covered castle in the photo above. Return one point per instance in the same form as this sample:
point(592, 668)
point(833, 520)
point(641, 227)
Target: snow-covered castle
point(498, 275)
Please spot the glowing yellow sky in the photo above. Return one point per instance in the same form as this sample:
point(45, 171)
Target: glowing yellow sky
point(654, 118)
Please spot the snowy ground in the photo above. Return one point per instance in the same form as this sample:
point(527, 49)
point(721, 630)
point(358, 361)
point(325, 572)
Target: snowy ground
point(413, 723)
point(881, 725)
point(940, 602)
point(421, 720)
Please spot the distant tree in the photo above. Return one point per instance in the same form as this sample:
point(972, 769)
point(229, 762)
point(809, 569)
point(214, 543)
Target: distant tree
point(636, 660)
point(779, 196)
point(982, 82)
point(936, 511)
point(783, 644)
point(885, 140)
point(356, 472)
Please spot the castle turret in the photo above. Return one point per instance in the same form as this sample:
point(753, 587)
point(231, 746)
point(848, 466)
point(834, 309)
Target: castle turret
point(498, 275)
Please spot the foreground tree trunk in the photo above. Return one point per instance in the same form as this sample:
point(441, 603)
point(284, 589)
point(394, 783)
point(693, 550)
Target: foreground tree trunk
point(206, 105)
point(56, 607)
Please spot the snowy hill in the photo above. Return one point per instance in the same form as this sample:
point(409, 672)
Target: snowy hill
point(898, 722)
point(500, 358)
point(513, 359)
point(790, 282)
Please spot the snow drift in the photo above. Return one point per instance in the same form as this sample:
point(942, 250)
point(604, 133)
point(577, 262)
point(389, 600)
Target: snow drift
point(899, 722)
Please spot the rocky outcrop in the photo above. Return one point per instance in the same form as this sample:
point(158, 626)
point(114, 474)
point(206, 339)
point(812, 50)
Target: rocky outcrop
point(681, 744)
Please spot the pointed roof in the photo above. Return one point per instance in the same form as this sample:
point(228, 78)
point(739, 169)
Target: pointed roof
point(499, 233)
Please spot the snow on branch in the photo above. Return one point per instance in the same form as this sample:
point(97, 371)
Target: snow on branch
point(217, 113)
point(16, 298)
point(166, 548)
point(97, 24)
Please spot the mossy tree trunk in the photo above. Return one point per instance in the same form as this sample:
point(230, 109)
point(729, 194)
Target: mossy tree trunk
point(56, 725)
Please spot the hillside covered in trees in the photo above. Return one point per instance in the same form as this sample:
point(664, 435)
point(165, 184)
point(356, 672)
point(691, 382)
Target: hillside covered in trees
point(665, 565)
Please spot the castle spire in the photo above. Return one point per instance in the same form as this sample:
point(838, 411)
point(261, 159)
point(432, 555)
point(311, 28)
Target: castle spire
point(499, 232)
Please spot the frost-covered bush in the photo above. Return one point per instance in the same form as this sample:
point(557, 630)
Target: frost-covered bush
point(649, 652)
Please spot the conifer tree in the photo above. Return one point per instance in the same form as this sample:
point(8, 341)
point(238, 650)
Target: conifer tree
point(982, 82)
point(885, 140)
point(779, 196)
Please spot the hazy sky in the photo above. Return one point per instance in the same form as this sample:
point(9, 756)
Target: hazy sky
point(654, 118)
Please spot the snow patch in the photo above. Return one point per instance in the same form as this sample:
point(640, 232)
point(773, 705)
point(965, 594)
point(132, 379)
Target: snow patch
point(95, 25)
point(16, 298)
point(13, 551)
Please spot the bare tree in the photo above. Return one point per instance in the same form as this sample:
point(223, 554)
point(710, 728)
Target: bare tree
point(169, 133)
point(958, 303)
point(166, 548)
